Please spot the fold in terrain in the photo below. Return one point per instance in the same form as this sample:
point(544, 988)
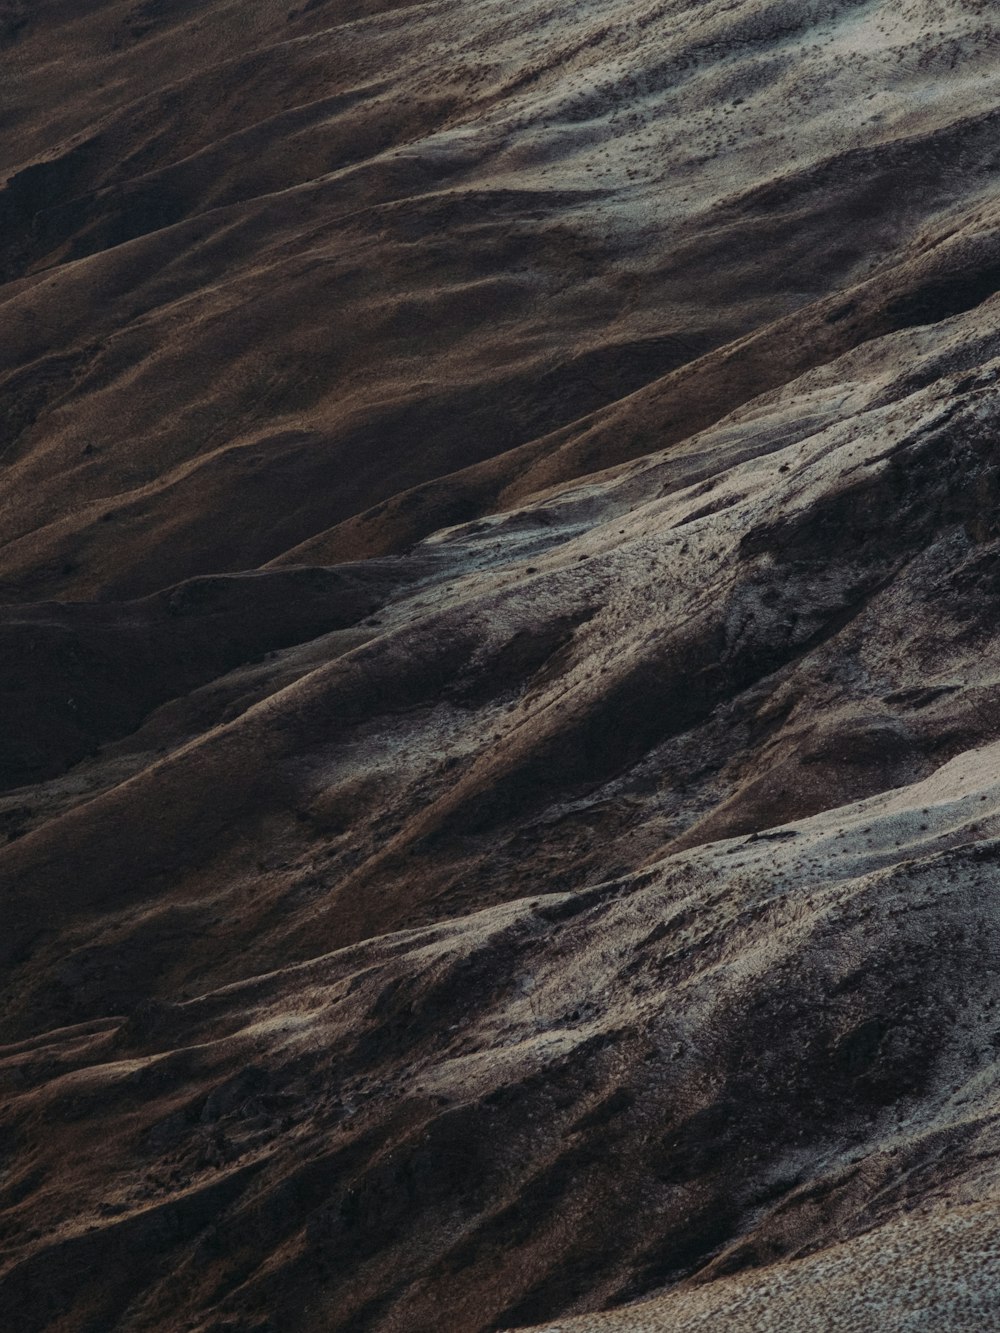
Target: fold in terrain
point(499, 667)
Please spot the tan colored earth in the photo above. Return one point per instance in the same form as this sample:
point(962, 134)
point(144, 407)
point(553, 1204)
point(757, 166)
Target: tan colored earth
point(499, 666)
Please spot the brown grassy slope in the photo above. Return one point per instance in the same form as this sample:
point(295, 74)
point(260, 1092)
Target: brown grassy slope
point(237, 241)
point(594, 904)
point(602, 1081)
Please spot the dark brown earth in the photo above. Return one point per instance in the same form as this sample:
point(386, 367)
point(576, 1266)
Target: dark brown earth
point(500, 750)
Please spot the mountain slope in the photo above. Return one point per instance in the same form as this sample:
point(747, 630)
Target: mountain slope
point(282, 265)
point(501, 566)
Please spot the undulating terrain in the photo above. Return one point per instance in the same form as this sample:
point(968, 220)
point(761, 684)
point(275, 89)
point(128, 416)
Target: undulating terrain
point(499, 666)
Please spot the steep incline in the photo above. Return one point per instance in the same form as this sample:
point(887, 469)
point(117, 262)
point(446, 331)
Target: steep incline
point(268, 267)
point(499, 667)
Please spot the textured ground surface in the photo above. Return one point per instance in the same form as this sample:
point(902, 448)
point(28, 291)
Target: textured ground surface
point(499, 666)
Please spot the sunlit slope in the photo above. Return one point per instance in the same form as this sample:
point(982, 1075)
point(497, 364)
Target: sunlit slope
point(267, 268)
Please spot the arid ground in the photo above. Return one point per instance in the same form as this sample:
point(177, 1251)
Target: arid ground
point(499, 666)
